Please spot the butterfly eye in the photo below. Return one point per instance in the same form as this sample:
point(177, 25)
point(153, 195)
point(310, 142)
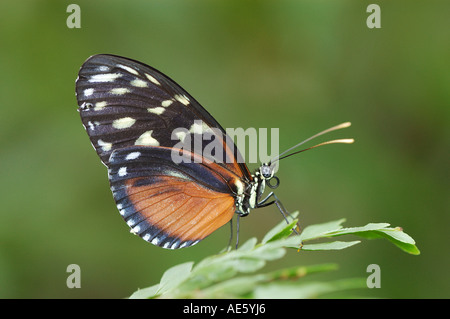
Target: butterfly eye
point(266, 171)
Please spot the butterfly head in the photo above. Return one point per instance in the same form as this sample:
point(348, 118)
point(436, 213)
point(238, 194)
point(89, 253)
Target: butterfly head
point(267, 173)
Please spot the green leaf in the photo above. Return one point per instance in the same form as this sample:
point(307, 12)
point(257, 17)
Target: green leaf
point(398, 234)
point(300, 271)
point(352, 230)
point(145, 293)
point(232, 274)
point(379, 230)
point(398, 238)
point(239, 286)
point(281, 230)
point(173, 277)
point(248, 245)
point(307, 290)
point(317, 231)
point(242, 286)
point(335, 245)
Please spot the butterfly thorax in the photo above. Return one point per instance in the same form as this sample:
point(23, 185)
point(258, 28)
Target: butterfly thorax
point(248, 199)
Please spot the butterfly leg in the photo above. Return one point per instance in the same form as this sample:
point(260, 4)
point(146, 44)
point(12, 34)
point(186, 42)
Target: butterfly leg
point(276, 201)
point(237, 232)
point(231, 235)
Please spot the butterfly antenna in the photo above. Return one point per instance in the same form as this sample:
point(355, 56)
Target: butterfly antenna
point(334, 128)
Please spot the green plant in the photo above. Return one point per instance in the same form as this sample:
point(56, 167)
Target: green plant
point(231, 274)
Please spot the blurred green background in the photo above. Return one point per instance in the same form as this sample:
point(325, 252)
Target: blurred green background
point(301, 66)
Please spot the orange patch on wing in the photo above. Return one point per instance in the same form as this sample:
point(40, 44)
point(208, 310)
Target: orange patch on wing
point(181, 208)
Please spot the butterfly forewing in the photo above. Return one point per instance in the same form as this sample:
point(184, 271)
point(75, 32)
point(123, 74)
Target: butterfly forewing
point(123, 102)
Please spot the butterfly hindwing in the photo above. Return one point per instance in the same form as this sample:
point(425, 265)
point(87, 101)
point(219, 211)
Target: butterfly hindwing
point(170, 205)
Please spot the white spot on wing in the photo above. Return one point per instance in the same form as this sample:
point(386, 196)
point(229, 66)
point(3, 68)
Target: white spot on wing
point(123, 123)
point(182, 99)
point(138, 83)
point(195, 242)
point(104, 77)
point(199, 127)
point(152, 79)
point(119, 91)
point(122, 171)
point(156, 110)
point(103, 68)
point(136, 229)
point(166, 103)
point(133, 156)
point(127, 68)
point(147, 139)
point(88, 92)
point(100, 105)
point(104, 145)
point(184, 244)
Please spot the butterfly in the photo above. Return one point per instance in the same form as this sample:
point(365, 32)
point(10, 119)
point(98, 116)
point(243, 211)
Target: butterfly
point(137, 118)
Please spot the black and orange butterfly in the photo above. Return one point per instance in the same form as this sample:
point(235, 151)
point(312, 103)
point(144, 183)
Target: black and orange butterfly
point(131, 113)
